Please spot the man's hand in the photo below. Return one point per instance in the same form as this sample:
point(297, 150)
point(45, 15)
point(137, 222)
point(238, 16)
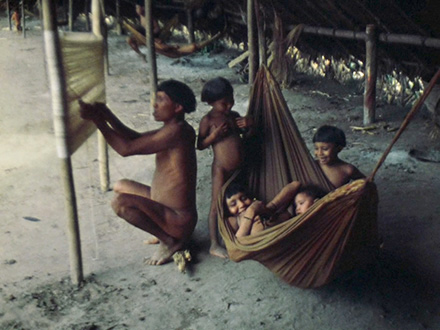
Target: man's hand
point(92, 111)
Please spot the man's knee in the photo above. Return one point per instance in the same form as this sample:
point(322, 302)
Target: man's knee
point(118, 204)
point(120, 185)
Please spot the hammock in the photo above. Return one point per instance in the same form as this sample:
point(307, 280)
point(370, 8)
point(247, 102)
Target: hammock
point(172, 51)
point(338, 233)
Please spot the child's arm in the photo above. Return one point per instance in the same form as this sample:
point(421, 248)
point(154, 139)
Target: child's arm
point(356, 174)
point(205, 139)
point(284, 198)
point(250, 218)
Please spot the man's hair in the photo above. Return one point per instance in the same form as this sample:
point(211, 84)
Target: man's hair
point(330, 134)
point(216, 89)
point(312, 190)
point(179, 93)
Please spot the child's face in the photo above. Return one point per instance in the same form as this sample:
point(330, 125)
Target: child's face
point(326, 152)
point(303, 202)
point(238, 203)
point(164, 108)
point(223, 105)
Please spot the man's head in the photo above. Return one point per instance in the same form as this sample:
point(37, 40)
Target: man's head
point(217, 89)
point(179, 93)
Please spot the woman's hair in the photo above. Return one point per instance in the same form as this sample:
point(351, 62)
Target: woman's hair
point(330, 134)
point(179, 93)
point(216, 89)
point(312, 191)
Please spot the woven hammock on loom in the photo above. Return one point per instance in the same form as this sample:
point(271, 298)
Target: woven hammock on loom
point(83, 65)
point(337, 233)
point(172, 51)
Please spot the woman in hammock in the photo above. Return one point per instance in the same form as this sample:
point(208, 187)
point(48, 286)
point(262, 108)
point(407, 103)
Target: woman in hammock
point(248, 216)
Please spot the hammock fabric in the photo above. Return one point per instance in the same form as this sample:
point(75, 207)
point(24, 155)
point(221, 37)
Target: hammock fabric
point(172, 51)
point(337, 233)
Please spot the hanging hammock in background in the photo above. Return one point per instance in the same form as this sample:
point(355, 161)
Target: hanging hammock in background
point(337, 233)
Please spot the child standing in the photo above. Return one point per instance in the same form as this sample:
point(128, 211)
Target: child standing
point(220, 128)
point(329, 141)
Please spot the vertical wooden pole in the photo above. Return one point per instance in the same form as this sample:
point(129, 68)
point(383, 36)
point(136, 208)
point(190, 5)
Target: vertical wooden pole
point(189, 17)
point(262, 52)
point(87, 12)
point(118, 18)
point(252, 44)
point(8, 12)
point(370, 75)
point(23, 19)
point(70, 17)
point(102, 144)
point(59, 108)
point(151, 51)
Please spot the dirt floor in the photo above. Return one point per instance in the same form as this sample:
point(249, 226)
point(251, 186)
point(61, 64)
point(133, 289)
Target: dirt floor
point(120, 292)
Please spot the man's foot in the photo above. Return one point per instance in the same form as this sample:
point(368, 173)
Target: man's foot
point(163, 254)
point(152, 240)
point(218, 251)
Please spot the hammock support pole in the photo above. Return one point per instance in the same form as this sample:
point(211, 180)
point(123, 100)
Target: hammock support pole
point(189, 17)
point(262, 52)
point(70, 15)
point(8, 12)
point(59, 108)
point(102, 144)
point(23, 20)
point(151, 51)
point(370, 75)
point(118, 18)
point(252, 42)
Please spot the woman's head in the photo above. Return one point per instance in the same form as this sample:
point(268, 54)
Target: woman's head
point(237, 199)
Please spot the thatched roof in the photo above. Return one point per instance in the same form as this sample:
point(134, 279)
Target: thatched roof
point(418, 18)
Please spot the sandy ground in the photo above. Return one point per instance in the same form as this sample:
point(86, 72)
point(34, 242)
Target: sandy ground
point(120, 292)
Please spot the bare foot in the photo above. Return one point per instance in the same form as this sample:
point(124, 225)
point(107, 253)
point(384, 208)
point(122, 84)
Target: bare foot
point(152, 240)
point(217, 251)
point(163, 254)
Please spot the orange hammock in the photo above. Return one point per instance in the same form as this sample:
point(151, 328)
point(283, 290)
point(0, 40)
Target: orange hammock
point(339, 232)
point(172, 51)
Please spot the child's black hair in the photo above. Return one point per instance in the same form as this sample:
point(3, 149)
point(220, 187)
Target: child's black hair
point(235, 188)
point(216, 89)
point(180, 93)
point(312, 190)
point(330, 134)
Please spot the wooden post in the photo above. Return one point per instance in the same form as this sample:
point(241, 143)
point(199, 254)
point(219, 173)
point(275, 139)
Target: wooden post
point(370, 75)
point(252, 44)
point(8, 12)
point(55, 72)
point(151, 51)
point(23, 19)
point(102, 144)
point(189, 17)
point(86, 12)
point(70, 17)
point(262, 52)
point(118, 18)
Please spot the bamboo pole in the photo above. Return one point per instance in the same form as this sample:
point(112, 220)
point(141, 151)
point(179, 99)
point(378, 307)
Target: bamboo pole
point(151, 51)
point(370, 75)
point(59, 108)
point(102, 144)
point(8, 12)
point(86, 12)
point(252, 43)
point(23, 19)
point(70, 17)
point(118, 18)
point(189, 17)
point(262, 51)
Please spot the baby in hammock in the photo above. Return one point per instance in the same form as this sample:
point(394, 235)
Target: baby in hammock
point(329, 141)
point(248, 216)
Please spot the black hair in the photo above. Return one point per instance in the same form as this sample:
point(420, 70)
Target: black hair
point(232, 189)
point(312, 190)
point(216, 89)
point(180, 93)
point(330, 134)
